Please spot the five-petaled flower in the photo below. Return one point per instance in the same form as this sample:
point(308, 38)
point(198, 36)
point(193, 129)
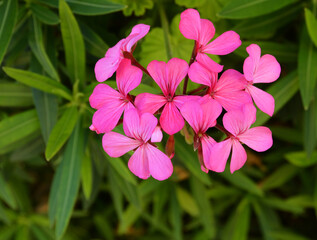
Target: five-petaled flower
point(147, 159)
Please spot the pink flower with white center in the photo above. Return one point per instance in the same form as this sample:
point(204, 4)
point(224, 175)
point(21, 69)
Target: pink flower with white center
point(146, 160)
point(111, 103)
point(106, 66)
point(228, 90)
point(202, 115)
point(257, 69)
point(237, 123)
point(202, 31)
point(168, 76)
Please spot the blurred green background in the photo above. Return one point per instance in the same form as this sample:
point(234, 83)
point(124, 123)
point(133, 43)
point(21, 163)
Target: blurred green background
point(56, 182)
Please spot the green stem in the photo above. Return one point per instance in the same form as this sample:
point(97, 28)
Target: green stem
point(192, 59)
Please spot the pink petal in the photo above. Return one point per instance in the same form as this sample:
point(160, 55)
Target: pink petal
point(128, 77)
point(117, 145)
point(131, 123)
point(193, 114)
point(189, 24)
point(199, 74)
point(208, 63)
point(224, 44)
point(171, 120)
point(180, 100)
point(157, 135)
point(211, 110)
point(219, 154)
point(232, 100)
point(147, 125)
point(139, 164)
point(105, 67)
point(158, 72)
point(239, 120)
point(207, 31)
point(230, 81)
point(160, 165)
point(176, 71)
point(268, 70)
point(238, 157)
point(147, 102)
point(106, 118)
point(104, 95)
point(138, 32)
point(250, 63)
point(257, 138)
point(262, 99)
point(207, 143)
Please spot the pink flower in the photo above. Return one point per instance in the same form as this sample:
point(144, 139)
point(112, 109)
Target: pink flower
point(111, 103)
point(106, 66)
point(237, 123)
point(168, 76)
point(257, 69)
point(228, 90)
point(202, 31)
point(146, 160)
point(202, 115)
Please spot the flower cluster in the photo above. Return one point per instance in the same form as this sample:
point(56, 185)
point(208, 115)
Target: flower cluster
point(232, 92)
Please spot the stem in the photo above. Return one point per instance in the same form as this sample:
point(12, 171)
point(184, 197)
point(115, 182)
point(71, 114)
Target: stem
point(134, 62)
point(222, 129)
point(192, 59)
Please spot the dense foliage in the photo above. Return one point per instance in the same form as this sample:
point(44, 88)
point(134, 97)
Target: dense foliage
point(56, 181)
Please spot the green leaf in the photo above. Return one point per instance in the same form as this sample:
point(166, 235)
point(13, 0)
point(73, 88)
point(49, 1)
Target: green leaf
point(175, 216)
point(287, 134)
point(93, 42)
point(6, 193)
point(187, 202)
point(15, 95)
point(8, 15)
point(310, 127)
point(44, 14)
point(264, 27)
point(206, 215)
point(137, 7)
point(238, 9)
point(240, 180)
point(38, 81)
point(37, 45)
point(17, 127)
point(68, 174)
point(185, 153)
point(86, 176)
point(61, 132)
point(239, 223)
point(73, 44)
point(47, 109)
point(283, 205)
point(311, 24)
point(89, 7)
point(282, 91)
point(279, 177)
point(315, 194)
point(300, 159)
point(307, 72)
point(287, 235)
point(284, 52)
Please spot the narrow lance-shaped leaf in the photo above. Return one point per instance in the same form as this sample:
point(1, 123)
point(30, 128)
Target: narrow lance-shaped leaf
point(311, 23)
point(15, 95)
point(44, 14)
point(73, 43)
point(300, 159)
point(86, 175)
point(61, 132)
point(37, 45)
point(69, 180)
point(17, 127)
point(307, 71)
point(89, 7)
point(310, 127)
point(8, 14)
point(38, 81)
point(238, 9)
